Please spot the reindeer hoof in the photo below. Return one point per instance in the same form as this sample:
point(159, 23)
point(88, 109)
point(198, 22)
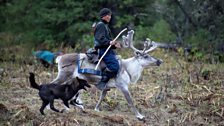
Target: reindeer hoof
point(97, 109)
point(141, 118)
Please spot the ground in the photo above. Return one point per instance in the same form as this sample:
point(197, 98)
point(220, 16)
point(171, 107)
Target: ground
point(176, 93)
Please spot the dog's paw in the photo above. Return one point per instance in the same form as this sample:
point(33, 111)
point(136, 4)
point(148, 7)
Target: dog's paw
point(63, 110)
point(80, 106)
point(42, 112)
point(84, 111)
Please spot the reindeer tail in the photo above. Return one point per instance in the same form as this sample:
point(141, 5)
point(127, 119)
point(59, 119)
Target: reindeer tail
point(33, 83)
point(58, 59)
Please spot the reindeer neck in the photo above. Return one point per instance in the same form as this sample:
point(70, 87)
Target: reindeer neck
point(133, 68)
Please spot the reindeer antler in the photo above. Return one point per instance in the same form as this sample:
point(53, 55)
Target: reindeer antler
point(153, 45)
point(128, 41)
point(148, 44)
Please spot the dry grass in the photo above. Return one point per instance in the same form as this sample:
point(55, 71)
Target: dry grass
point(176, 93)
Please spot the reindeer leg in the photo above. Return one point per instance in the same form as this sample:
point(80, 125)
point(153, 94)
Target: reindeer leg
point(102, 96)
point(127, 96)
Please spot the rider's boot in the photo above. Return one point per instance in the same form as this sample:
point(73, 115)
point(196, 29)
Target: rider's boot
point(102, 84)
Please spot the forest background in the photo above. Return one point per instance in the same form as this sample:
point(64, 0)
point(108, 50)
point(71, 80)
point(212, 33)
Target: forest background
point(195, 25)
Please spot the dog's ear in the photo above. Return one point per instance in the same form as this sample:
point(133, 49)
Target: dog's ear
point(87, 85)
point(79, 80)
point(84, 82)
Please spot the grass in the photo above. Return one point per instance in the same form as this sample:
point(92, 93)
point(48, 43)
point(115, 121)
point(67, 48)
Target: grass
point(176, 93)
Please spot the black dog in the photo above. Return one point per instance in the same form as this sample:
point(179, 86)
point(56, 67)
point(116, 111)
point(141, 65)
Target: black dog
point(65, 92)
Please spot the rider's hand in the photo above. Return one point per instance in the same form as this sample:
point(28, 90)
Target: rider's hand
point(112, 42)
point(118, 45)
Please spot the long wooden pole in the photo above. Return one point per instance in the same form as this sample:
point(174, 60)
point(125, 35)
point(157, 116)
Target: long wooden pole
point(109, 48)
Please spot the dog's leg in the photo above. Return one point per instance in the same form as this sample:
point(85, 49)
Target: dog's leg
point(65, 109)
point(44, 104)
point(66, 103)
point(66, 106)
point(102, 96)
point(52, 106)
point(76, 101)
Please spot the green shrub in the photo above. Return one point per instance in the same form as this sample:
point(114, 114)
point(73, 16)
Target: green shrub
point(160, 32)
point(199, 39)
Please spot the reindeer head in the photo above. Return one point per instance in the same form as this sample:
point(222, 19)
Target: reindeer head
point(142, 56)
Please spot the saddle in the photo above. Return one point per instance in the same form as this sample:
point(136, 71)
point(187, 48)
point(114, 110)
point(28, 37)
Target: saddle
point(92, 55)
point(87, 63)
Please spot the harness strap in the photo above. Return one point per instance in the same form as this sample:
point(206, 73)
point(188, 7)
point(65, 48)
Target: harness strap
point(85, 70)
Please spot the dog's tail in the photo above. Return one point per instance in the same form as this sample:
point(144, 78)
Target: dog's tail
point(33, 83)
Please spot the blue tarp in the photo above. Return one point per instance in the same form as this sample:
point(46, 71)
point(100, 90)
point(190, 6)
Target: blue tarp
point(45, 55)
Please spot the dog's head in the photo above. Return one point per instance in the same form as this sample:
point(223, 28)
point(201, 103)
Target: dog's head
point(82, 84)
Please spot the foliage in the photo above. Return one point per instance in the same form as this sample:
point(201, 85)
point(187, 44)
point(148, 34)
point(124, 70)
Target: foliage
point(49, 23)
point(161, 32)
point(200, 37)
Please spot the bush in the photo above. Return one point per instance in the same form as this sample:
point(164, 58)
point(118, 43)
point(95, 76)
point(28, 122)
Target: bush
point(160, 32)
point(199, 39)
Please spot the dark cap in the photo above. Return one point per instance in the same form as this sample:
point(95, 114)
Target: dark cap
point(104, 12)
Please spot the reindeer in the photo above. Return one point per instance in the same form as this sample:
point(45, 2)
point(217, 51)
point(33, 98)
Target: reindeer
point(130, 69)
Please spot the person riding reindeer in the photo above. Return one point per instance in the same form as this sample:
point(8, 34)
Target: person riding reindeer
point(102, 40)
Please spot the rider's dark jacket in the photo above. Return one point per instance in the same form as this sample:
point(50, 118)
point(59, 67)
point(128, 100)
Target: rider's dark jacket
point(102, 38)
point(102, 35)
